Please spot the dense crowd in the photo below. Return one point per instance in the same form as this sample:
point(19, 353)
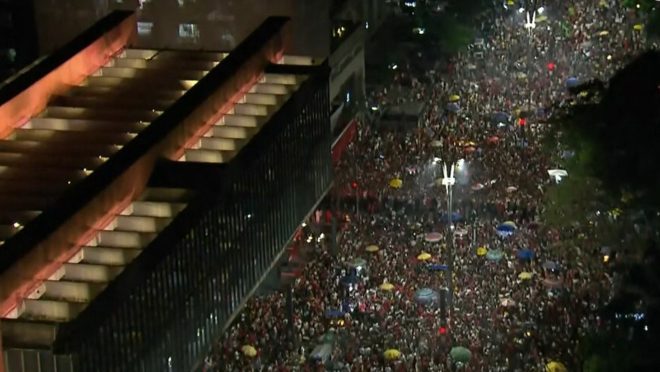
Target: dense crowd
point(522, 295)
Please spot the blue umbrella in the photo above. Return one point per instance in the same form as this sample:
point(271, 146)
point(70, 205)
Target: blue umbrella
point(505, 227)
point(349, 279)
point(334, 313)
point(572, 82)
point(437, 267)
point(426, 296)
point(525, 254)
point(455, 216)
point(494, 255)
point(453, 107)
point(550, 265)
point(501, 117)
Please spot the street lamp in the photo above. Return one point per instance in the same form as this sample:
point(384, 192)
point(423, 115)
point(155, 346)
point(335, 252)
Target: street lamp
point(448, 180)
point(530, 25)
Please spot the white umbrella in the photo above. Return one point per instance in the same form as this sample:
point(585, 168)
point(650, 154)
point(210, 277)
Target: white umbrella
point(557, 173)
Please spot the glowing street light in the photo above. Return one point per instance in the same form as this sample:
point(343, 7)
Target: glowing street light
point(448, 180)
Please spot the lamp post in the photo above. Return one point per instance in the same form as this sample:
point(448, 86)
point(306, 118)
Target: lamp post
point(448, 181)
point(530, 25)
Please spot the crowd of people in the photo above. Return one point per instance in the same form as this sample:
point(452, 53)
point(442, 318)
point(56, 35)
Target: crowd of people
point(523, 292)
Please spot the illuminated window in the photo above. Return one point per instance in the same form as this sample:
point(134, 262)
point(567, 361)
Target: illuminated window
point(144, 28)
point(188, 30)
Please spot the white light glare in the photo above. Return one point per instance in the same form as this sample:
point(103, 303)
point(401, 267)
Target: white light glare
point(541, 10)
point(521, 10)
point(460, 164)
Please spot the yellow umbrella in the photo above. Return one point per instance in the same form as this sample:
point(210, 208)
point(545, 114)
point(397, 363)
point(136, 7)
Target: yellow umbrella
point(454, 98)
point(481, 251)
point(555, 367)
point(510, 224)
point(387, 287)
point(424, 256)
point(541, 18)
point(583, 94)
point(372, 248)
point(638, 27)
point(603, 33)
point(249, 351)
point(392, 354)
point(525, 275)
point(396, 183)
point(470, 143)
point(510, 2)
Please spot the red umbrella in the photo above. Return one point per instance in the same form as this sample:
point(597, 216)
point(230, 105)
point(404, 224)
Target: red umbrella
point(493, 140)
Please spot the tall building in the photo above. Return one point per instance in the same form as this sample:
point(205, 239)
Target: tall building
point(18, 37)
point(144, 192)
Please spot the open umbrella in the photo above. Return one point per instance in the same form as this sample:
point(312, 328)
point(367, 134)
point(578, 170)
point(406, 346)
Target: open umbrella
point(525, 254)
point(249, 351)
point(426, 296)
point(550, 265)
point(372, 248)
point(387, 287)
point(638, 27)
point(493, 140)
point(504, 230)
point(392, 354)
point(437, 267)
point(454, 98)
point(460, 233)
point(501, 117)
point(453, 107)
point(469, 149)
point(334, 313)
point(455, 216)
point(460, 354)
point(358, 262)
point(555, 367)
point(396, 183)
point(482, 251)
point(572, 82)
point(349, 279)
point(424, 256)
point(494, 255)
point(433, 237)
point(525, 275)
point(510, 224)
point(511, 189)
point(505, 227)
